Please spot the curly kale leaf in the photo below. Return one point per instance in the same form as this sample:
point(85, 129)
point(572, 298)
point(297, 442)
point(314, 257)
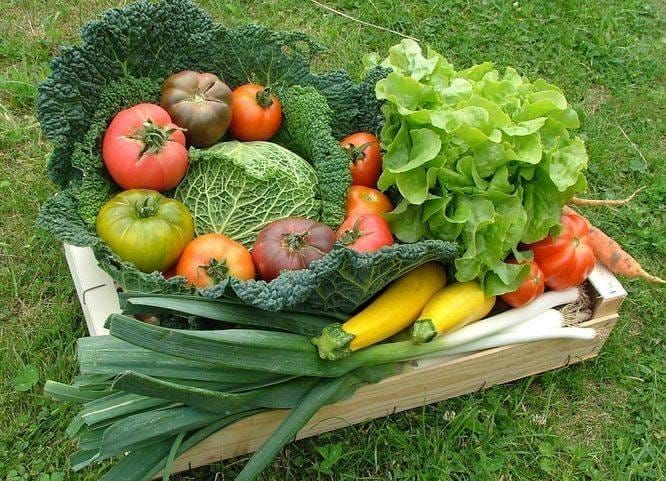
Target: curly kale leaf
point(143, 39)
point(370, 117)
point(60, 216)
point(306, 130)
point(341, 281)
point(253, 53)
point(121, 61)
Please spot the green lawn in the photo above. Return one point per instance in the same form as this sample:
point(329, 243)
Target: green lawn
point(602, 420)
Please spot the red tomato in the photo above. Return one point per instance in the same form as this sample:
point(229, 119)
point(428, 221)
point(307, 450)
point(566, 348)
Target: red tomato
point(290, 244)
point(366, 233)
point(530, 289)
point(365, 200)
point(568, 259)
point(256, 114)
point(143, 149)
point(210, 258)
point(365, 156)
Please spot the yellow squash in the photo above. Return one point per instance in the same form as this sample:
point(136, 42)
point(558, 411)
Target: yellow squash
point(395, 309)
point(451, 308)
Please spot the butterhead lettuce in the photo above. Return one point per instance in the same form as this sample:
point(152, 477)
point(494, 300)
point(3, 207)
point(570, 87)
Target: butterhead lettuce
point(477, 157)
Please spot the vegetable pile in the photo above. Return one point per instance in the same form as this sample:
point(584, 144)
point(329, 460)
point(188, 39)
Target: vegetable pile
point(289, 236)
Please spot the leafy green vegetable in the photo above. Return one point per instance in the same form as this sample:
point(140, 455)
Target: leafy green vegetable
point(477, 157)
point(236, 188)
point(339, 282)
point(127, 52)
point(307, 126)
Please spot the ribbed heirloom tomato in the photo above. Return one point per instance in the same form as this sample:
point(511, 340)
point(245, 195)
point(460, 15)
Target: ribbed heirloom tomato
point(210, 258)
point(256, 114)
point(200, 103)
point(144, 149)
point(365, 158)
point(530, 289)
point(567, 259)
point(145, 228)
point(290, 244)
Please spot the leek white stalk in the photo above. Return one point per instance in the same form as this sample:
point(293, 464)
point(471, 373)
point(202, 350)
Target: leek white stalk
point(508, 319)
point(508, 338)
point(550, 319)
point(524, 335)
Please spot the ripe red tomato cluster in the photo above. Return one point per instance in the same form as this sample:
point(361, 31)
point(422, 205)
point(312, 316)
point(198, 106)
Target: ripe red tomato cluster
point(559, 262)
point(145, 152)
point(145, 145)
point(364, 228)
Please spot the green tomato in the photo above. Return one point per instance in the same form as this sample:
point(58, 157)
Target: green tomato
point(145, 228)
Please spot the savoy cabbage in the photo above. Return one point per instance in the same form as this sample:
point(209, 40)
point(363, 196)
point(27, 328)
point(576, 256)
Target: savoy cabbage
point(236, 188)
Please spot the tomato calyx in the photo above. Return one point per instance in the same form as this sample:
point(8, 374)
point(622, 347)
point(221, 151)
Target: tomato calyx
point(148, 208)
point(352, 235)
point(264, 97)
point(295, 241)
point(216, 269)
point(153, 137)
point(356, 152)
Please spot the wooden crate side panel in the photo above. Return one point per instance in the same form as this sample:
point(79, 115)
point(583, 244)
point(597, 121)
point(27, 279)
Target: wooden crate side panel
point(412, 389)
point(609, 292)
point(94, 287)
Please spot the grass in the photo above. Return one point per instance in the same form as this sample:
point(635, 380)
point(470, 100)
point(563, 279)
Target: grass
point(603, 419)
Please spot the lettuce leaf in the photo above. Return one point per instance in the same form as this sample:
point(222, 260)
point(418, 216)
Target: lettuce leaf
point(477, 157)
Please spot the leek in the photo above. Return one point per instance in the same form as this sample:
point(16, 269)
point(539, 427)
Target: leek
point(308, 324)
point(279, 396)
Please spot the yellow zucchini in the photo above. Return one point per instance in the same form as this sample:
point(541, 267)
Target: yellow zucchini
point(395, 309)
point(451, 308)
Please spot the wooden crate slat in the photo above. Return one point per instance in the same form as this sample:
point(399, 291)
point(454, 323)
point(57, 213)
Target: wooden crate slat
point(94, 287)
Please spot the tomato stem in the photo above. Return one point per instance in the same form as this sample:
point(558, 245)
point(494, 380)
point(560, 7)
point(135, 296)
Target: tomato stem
point(357, 152)
point(153, 137)
point(216, 269)
point(295, 240)
point(264, 97)
point(147, 208)
point(351, 235)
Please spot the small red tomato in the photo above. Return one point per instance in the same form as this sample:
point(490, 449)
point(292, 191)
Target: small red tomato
point(210, 258)
point(256, 114)
point(365, 158)
point(366, 200)
point(366, 233)
point(143, 149)
point(290, 244)
point(531, 288)
point(568, 259)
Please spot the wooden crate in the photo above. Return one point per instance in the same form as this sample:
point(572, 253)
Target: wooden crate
point(425, 382)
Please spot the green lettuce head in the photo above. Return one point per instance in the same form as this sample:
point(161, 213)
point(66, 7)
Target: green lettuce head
point(476, 157)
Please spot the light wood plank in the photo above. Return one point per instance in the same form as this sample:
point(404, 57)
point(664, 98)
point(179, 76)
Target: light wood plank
point(94, 288)
point(609, 292)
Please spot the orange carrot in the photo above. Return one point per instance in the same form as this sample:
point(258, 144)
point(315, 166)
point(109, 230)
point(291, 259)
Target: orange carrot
point(611, 254)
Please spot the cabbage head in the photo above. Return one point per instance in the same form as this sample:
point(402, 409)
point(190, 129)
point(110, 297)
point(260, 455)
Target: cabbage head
point(236, 188)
